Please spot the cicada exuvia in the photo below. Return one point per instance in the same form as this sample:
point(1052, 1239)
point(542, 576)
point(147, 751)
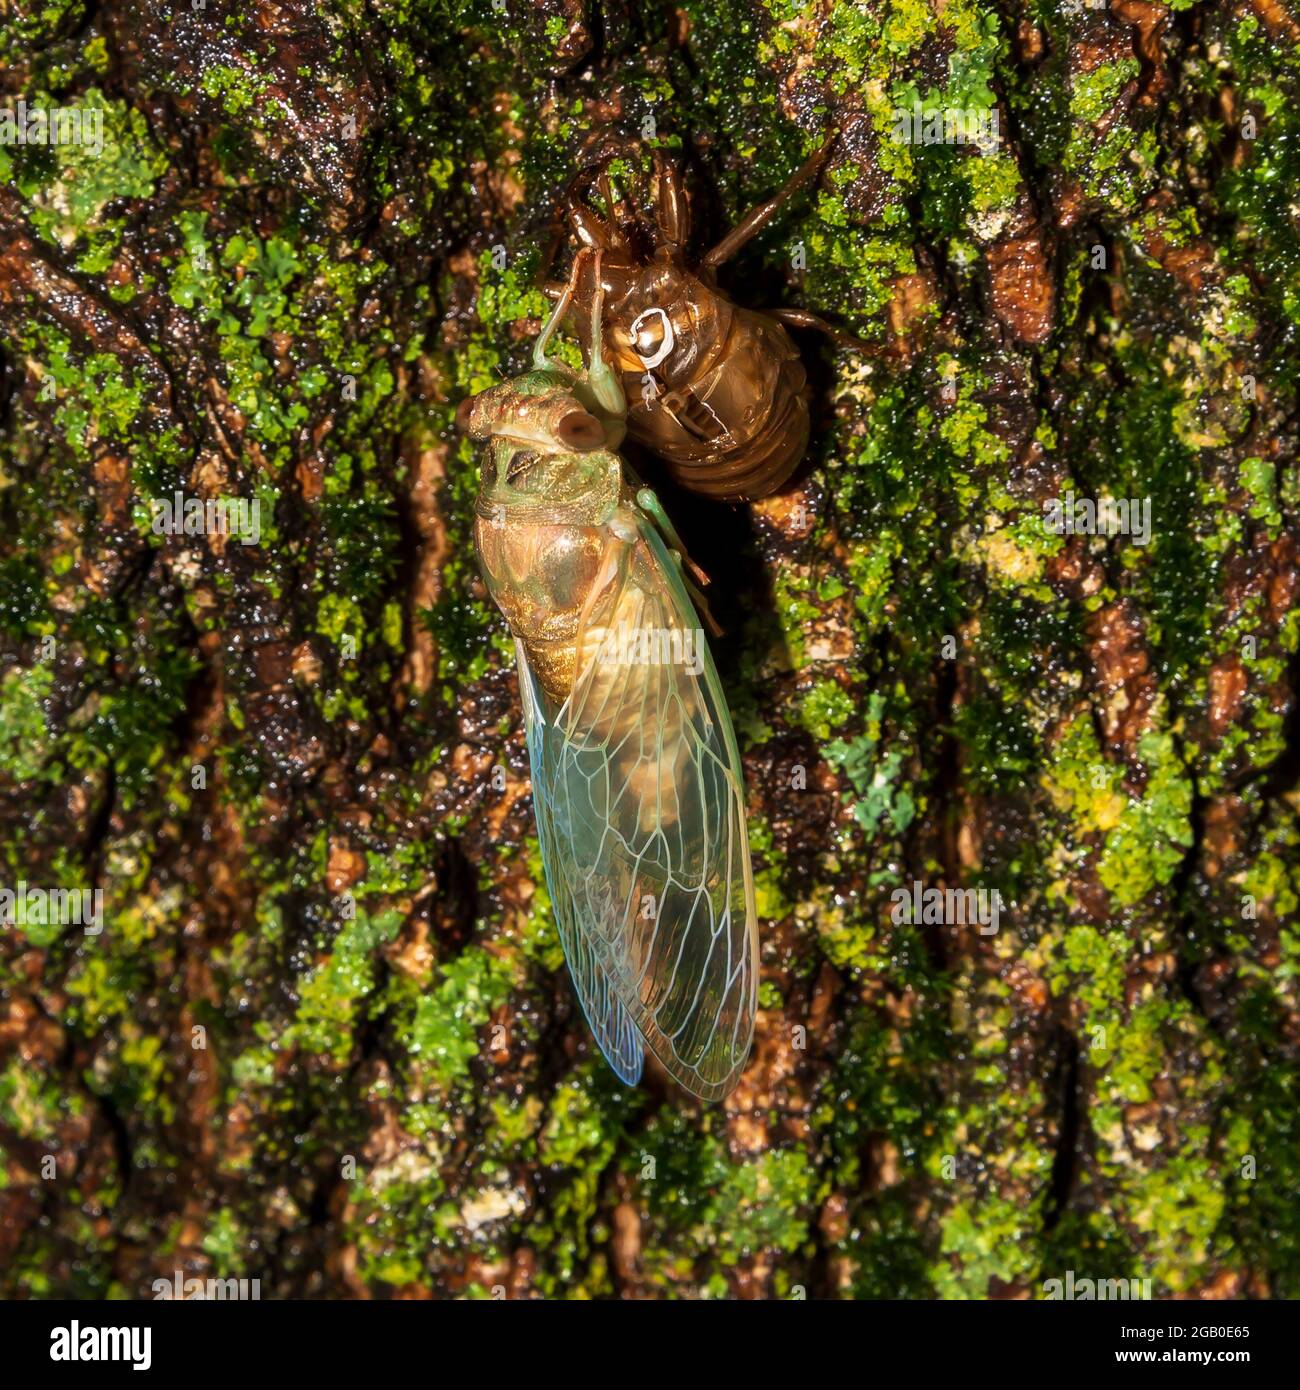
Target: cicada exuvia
point(637, 783)
point(718, 391)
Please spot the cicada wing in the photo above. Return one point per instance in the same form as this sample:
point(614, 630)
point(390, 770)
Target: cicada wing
point(648, 825)
point(607, 1017)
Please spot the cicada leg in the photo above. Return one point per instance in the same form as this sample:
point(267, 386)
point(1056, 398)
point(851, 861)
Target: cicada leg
point(804, 318)
point(698, 599)
point(594, 231)
point(757, 218)
point(602, 380)
point(672, 212)
point(617, 240)
point(653, 508)
point(541, 362)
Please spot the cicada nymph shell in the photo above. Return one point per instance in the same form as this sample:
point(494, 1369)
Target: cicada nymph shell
point(715, 390)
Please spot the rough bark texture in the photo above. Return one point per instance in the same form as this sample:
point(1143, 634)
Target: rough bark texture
point(325, 1038)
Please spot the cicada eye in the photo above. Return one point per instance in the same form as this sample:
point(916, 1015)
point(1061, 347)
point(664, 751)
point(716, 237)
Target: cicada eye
point(581, 431)
point(463, 413)
point(652, 337)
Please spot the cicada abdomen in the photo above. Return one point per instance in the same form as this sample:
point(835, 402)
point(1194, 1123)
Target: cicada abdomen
point(716, 391)
point(732, 425)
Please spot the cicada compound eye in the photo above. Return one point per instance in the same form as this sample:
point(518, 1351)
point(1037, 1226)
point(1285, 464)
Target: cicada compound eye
point(580, 431)
point(464, 411)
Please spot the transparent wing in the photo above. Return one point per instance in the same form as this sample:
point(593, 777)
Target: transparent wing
point(645, 827)
point(608, 1020)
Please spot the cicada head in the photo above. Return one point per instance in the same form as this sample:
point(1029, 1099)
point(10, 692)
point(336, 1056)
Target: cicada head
point(538, 410)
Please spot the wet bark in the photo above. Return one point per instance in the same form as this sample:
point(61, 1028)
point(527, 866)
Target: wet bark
point(324, 1038)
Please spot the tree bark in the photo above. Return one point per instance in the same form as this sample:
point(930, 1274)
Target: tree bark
point(324, 1038)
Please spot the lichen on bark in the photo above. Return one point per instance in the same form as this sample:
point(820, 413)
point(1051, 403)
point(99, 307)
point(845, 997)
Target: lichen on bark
point(325, 1038)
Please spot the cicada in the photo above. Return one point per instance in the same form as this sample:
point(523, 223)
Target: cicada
point(638, 790)
point(717, 391)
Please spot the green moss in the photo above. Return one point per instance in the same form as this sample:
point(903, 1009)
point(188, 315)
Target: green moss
point(985, 1242)
point(24, 734)
point(994, 181)
point(1259, 478)
point(1153, 833)
point(444, 1032)
point(236, 88)
point(825, 707)
point(331, 993)
point(96, 400)
point(69, 185)
point(874, 777)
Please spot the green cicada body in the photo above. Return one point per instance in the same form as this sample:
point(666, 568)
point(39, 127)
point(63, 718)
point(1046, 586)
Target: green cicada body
point(637, 782)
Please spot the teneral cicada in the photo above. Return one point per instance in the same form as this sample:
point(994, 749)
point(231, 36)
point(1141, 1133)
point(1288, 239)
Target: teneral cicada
point(637, 782)
point(717, 391)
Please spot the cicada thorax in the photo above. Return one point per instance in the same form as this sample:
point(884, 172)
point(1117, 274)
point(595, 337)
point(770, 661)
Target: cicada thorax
point(716, 391)
point(576, 583)
point(540, 529)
